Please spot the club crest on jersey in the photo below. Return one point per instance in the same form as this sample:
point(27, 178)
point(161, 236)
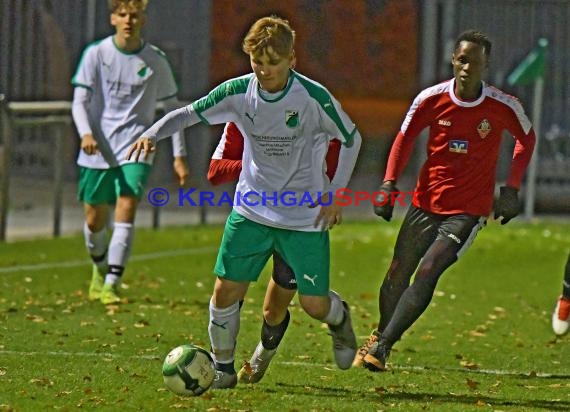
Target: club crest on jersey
point(458, 146)
point(292, 118)
point(142, 70)
point(484, 128)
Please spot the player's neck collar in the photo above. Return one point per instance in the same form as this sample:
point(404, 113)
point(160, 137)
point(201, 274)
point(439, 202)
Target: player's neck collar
point(273, 97)
point(124, 51)
point(465, 103)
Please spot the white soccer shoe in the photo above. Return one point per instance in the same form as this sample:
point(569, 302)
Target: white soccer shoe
point(560, 317)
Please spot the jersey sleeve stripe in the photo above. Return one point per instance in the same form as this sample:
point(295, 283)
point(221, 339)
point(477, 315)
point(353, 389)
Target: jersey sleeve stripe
point(226, 89)
point(76, 84)
point(325, 100)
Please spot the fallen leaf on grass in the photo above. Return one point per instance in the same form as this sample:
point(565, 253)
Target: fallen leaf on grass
point(469, 365)
point(35, 318)
point(472, 384)
point(559, 385)
point(41, 381)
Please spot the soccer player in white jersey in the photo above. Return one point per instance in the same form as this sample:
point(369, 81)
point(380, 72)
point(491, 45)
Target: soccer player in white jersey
point(285, 119)
point(225, 166)
point(118, 83)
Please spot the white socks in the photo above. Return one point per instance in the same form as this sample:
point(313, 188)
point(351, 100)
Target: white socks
point(121, 242)
point(96, 243)
point(336, 312)
point(223, 329)
point(119, 250)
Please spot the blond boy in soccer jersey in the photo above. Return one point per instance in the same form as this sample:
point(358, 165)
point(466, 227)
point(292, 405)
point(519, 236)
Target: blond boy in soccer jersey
point(285, 119)
point(118, 83)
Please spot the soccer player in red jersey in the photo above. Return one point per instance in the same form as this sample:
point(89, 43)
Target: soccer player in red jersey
point(454, 193)
point(225, 166)
point(561, 315)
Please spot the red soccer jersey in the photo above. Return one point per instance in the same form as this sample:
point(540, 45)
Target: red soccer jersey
point(463, 146)
point(225, 165)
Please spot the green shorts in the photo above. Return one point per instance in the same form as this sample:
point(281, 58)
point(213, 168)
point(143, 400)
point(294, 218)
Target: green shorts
point(104, 186)
point(246, 246)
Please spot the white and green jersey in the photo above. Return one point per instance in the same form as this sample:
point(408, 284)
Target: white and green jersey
point(286, 138)
point(124, 89)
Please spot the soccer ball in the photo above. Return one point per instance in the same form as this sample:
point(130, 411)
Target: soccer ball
point(188, 370)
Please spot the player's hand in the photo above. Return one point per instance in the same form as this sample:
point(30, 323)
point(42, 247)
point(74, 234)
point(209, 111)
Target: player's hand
point(507, 205)
point(144, 144)
point(383, 203)
point(181, 169)
point(330, 213)
point(89, 144)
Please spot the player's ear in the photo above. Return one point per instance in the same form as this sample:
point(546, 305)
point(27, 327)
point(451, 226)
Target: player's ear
point(292, 60)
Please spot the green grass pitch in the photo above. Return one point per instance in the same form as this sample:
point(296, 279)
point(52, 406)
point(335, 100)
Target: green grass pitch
point(484, 343)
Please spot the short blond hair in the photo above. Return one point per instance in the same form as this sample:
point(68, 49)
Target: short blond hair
point(115, 5)
point(272, 31)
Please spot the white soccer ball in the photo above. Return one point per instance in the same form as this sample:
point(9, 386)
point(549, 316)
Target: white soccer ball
point(188, 370)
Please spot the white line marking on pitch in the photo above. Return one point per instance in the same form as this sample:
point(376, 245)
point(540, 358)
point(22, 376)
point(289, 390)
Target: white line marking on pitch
point(450, 369)
point(78, 354)
point(136, 258)
point(497, 372)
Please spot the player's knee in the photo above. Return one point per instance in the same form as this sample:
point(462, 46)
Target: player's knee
point(427, 275)
point(316, 307)
point(426, 269)
point(274, 316)
point(397, 274)
point(227, 292)
point(95, 222)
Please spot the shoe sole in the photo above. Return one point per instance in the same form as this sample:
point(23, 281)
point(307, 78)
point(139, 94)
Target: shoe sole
point(244, 377)
point(358, 362)
point(373, 364)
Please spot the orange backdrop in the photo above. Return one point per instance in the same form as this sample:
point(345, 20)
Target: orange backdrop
point(363, 51)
